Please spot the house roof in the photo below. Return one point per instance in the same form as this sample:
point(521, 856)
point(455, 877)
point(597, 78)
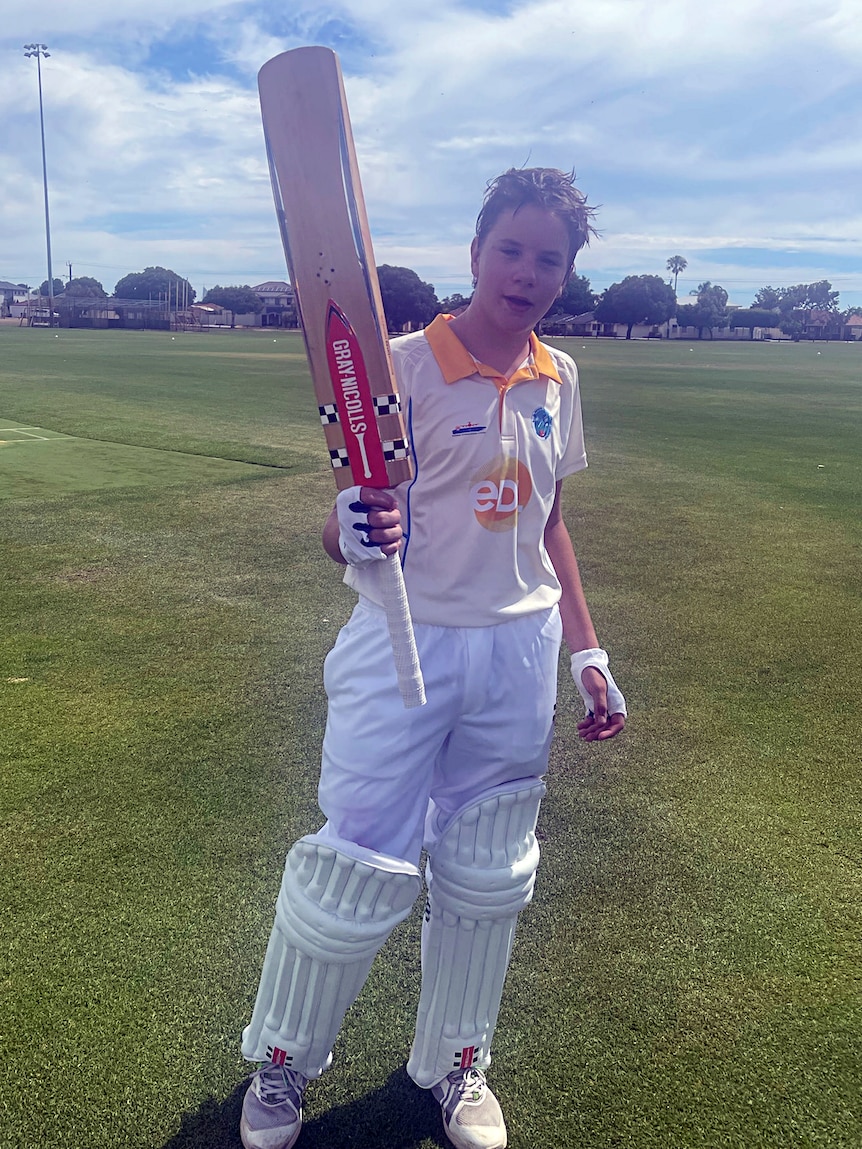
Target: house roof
point(855, 321)
point(273, 287)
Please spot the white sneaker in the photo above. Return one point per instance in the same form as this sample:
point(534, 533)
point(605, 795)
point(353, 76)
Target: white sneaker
point(272, 1108)
point(472, 1116)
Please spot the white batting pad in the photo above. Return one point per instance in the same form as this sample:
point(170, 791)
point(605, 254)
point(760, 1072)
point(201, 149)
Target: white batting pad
point(337, 905)
point(481, 874)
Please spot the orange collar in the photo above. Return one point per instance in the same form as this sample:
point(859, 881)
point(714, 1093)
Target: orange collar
point(456, 362)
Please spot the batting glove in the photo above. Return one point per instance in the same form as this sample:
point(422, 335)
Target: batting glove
point(599, 659)
point(353, 530)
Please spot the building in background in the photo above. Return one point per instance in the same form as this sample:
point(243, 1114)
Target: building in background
point(279, 306)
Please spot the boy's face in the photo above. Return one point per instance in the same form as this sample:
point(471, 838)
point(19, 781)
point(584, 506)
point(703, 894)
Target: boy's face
point(520, 267)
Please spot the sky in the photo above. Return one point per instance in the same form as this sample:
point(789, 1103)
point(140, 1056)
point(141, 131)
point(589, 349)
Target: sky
point(725, 131)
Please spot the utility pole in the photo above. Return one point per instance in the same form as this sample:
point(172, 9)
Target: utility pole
point(40, 50)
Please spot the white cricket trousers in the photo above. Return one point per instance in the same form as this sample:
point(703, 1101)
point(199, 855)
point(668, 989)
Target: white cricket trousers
point(391, 778)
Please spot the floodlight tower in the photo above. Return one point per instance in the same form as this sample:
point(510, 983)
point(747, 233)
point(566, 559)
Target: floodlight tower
point(40, 50)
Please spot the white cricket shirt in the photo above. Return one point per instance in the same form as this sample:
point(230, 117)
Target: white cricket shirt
point(488, 453)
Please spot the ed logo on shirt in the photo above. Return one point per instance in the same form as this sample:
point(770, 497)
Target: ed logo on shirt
point(500, 490)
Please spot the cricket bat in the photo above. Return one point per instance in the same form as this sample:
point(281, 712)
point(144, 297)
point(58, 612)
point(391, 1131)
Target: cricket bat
point(327, 244)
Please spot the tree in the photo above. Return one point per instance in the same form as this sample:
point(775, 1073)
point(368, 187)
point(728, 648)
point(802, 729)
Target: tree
point(750, 318)
point(638, 299)
point(236, 300)
point(690, 315)
point(454, 303)
point(85, 287)
point(577, 298)
point(406, 299)
point(793, 298)
point(795, 306)
point(817, 296)
point(155, 283)
point(58, 287)
point(768, 298)
point(792, 325)
point(712, 307)
point(710, 310)
point(675, 265)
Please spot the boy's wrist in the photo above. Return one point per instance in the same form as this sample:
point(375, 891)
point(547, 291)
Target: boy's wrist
point(597, 658)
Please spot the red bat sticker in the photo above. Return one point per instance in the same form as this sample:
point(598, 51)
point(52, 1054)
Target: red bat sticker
point(353, 400)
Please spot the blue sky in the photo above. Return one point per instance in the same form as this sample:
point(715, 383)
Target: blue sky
point(726, 132)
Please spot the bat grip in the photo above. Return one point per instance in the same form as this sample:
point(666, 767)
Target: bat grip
point(407, 667)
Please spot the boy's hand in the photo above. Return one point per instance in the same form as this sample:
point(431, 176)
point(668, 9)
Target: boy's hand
point(606, 707)
point(369, 525)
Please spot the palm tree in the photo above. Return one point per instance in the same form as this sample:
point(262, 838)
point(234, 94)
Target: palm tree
point(675, 265)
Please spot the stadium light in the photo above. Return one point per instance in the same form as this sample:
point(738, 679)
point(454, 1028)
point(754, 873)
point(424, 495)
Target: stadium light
point(40, 50)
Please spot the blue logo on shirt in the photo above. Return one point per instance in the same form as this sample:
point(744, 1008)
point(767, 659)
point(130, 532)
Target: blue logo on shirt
point(542, 422)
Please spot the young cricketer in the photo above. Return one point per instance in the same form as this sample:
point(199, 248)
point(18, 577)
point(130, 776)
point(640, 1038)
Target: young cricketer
point(495, 425)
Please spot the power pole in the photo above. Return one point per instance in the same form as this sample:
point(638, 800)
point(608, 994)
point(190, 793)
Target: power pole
point(40, 50)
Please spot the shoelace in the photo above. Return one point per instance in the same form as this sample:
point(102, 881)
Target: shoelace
point(276, 1088)
point(473, 1083)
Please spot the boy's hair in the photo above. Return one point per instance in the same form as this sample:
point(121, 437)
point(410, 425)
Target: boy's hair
point(548, 188)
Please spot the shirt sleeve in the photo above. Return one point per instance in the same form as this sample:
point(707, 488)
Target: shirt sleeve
point(574, 454)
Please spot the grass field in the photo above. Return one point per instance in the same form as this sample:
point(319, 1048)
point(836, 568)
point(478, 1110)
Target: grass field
point(688, 976)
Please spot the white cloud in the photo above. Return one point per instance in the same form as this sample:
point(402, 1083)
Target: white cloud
point(134, 20)
point(702, 127)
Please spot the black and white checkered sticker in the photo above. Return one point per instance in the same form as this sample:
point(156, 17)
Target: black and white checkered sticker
point(328, 413)
point(395, 449)
point(386, 404)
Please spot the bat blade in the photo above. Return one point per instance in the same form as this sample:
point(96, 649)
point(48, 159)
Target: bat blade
point(327, 244)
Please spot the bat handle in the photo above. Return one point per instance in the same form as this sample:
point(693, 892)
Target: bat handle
point(407, 666)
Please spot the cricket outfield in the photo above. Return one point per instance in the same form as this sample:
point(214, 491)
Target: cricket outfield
point(688, 975)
